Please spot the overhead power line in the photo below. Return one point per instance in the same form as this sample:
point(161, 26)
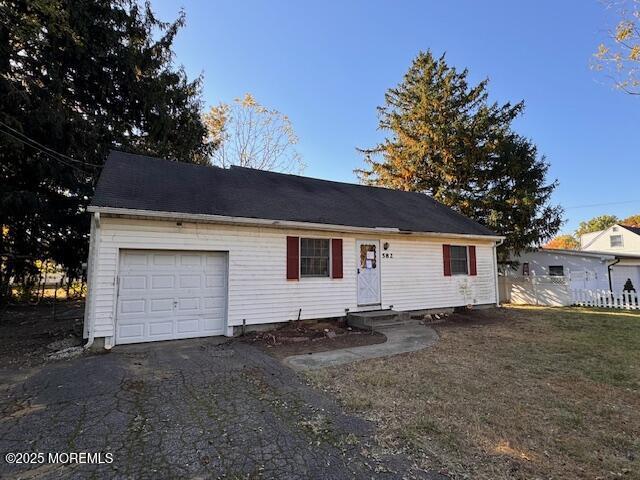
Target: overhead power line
point(15, 137)
point(51, 153)
point(604, 204)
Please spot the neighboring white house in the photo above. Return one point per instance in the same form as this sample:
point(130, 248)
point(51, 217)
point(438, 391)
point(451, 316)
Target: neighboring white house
point(546, 276)
point(615, 239)
point(180, 250)
point(583, 270)
point(622, 241)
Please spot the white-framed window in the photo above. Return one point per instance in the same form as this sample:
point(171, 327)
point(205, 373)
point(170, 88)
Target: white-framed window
point(459, 260)
point(556, 270)
point(315, 254)
point(615, 240)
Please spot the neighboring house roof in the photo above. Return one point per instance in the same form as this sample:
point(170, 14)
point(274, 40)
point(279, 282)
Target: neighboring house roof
point(616, 254)
point(580, 253)
point(136, 182)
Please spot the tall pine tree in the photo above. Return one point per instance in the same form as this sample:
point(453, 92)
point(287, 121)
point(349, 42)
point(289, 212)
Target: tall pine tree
point(447, 140)
point(80, 77)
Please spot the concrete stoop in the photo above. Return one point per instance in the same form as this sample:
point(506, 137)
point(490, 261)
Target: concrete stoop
point(376, 319)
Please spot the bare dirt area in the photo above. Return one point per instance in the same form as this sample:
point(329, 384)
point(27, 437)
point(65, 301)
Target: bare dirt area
point(31, 335)
point(511, 393)
point(303, 337)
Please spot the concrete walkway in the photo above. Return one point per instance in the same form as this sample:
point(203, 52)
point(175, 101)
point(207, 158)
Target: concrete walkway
point(410, 337)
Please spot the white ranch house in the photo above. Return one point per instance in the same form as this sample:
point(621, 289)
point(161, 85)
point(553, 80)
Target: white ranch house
point(179, 251)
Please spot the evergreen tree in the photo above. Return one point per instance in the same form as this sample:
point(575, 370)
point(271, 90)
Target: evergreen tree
point(79, 78)
point(446, 139)
point(628, 286)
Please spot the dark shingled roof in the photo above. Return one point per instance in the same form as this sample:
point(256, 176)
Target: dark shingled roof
point(145, 183)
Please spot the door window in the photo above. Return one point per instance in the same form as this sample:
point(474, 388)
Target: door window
point(368, 256)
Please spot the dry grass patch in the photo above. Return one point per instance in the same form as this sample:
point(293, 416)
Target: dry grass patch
point(510, 393)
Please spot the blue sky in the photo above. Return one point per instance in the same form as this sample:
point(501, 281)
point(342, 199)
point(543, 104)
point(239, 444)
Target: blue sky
point(327, 65)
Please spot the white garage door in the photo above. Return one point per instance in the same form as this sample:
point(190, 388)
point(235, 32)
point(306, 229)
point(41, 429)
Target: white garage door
point(164, 295)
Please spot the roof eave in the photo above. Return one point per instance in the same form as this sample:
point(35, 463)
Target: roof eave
point(223, 219)
point(580, 253)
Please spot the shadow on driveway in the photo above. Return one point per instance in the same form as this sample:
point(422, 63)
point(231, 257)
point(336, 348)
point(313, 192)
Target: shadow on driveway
point(185, 409)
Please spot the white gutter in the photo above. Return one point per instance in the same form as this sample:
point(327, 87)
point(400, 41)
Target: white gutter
point(195, 217)
point(91, 268)
point(495, 263)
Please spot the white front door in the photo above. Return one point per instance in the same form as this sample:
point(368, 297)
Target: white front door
point(368, 261)
point(165, 295)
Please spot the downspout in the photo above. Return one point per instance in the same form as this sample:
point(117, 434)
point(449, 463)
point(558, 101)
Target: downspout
point(609, 273)
point(495, 263)
point(91, 268)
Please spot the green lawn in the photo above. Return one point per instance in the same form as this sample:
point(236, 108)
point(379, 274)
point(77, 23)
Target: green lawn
point(520, 392)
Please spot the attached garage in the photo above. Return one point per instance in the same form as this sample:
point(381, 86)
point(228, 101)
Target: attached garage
point(166, 295)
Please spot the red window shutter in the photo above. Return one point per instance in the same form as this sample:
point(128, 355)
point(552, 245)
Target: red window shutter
point(336, 258)
point(472, 260)
point(293, 258)
point(446, 256)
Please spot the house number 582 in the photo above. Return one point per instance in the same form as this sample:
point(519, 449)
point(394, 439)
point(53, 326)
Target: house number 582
point(387, 255)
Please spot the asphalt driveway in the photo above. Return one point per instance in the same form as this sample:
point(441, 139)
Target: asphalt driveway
point(187, 409)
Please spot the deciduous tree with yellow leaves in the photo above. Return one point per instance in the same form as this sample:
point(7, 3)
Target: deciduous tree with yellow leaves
point(249, 134)
point(563, 242)
point(619, 55)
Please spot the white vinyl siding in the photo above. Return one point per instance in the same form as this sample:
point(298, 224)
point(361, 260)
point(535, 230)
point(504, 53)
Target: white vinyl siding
point(258, 291)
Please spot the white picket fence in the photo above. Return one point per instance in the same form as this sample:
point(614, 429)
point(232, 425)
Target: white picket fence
point(606, 299)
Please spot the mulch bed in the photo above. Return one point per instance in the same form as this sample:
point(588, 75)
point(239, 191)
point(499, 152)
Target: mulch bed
point(302, 337)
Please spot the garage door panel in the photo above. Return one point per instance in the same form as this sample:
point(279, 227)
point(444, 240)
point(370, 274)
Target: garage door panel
point(133, 306)
point(136, 259)
point(131, 331)
point(169, 295)
point(217, 290)
point(190, 281)
point(213, 303)
point(214, 281)
point(158, 305)
point(162, 281)
point(189, 325)
point(218, 262)
point(188, 304)
point(160, 328)
point(133, 282)
point(189, 260)
point(213, 326)
point(164, 260)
